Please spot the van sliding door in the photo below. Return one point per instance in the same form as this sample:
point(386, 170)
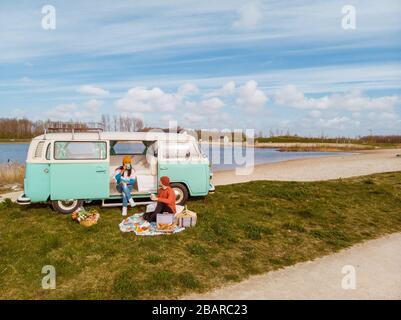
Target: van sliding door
point(80, 170)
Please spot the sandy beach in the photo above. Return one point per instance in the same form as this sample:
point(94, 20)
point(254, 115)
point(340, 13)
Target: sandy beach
point(315, 169)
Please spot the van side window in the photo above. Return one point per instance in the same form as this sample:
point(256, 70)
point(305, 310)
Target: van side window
point(80, 150)
point(48, 152)
point(179, 150)
point(39, 149)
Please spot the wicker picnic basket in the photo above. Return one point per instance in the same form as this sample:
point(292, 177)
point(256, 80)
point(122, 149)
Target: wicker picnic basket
point(87, 222)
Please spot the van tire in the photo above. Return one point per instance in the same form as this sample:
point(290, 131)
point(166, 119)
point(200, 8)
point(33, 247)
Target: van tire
point(62, 207)
point(181, 192)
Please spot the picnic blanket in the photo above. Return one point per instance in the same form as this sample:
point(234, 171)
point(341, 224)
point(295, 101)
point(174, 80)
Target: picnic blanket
point(129, 225)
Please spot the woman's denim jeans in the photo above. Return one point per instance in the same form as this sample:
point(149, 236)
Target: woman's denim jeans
point(126, 192)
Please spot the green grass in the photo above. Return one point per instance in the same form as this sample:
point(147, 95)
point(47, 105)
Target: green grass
point(243, 229)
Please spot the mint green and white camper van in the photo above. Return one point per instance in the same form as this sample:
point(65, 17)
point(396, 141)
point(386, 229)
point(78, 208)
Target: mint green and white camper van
point(71, 168)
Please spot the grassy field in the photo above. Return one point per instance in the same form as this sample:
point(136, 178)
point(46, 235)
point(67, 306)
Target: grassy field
point(243, 229)
point(326, 144)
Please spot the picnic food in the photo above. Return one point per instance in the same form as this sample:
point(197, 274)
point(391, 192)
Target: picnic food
point(86, 217)
point(166, 227)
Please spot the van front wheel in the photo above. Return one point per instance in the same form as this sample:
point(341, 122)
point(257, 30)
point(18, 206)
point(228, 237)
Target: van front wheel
point(181, 193)
point(66, 206)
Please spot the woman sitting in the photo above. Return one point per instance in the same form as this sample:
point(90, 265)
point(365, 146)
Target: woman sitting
point(165, 200)
point(125, 179)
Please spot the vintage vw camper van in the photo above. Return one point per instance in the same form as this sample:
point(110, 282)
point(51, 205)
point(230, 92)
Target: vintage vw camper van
point(71, 168)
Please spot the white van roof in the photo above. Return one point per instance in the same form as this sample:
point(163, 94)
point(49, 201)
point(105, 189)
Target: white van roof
point(119, 136)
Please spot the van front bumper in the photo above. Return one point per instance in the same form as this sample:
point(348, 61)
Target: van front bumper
point(22, 199)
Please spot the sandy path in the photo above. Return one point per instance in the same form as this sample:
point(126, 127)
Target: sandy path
point(313, 169)
point(12, 195)
point(377, 266)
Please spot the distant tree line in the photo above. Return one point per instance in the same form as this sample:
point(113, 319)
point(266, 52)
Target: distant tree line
point(389, 139)
point(14, 128)
point(121, 123)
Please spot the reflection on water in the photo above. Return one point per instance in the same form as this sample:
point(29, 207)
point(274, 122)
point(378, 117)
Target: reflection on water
point(222, 158)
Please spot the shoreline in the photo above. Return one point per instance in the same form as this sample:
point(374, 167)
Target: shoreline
point(294, 146)
point(364, 162)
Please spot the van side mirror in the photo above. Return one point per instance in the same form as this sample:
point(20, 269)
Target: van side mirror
point(188, 154)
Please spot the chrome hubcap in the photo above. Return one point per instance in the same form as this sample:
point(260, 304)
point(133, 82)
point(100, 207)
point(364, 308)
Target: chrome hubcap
point(67, 204)
point(179, 195)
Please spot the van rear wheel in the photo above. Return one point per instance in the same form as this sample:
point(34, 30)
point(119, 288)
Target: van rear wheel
point(181, 193)
point(66, 206)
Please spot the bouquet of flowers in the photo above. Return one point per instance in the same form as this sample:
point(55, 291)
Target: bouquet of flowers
point(86, 218)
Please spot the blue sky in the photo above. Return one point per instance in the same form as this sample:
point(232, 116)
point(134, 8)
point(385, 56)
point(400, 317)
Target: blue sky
point(265, 65)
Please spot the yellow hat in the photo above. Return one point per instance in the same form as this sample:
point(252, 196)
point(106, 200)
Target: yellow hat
point(126, 159)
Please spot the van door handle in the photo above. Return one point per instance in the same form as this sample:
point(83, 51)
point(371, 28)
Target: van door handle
point(100, 171)
point(46, 170)
point(163, 168)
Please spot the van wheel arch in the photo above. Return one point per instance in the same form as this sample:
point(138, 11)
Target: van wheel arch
point(181, 191)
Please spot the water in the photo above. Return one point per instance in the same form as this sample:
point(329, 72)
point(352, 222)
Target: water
point(221, 158)
point(13, 152)
point(225, 158)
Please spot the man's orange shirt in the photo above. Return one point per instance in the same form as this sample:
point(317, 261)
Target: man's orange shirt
point(167, 196)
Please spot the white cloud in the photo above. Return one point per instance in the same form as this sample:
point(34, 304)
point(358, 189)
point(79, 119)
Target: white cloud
point(92, 90)
point(93, 105)
point(212, 120)
point(315, 114)
point(193, 118)
point(89, 111)
point(226, 90)
point(187, 89)
point(382, 116)
point(140, 99)
point(337, 123)
point(250, 16)
point(207, 106)
point(211, 105)
point(63, 112)
point(204, 113)
point(250, 97)
point(353, 100)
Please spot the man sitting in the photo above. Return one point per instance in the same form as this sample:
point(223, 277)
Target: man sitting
point(165, 200)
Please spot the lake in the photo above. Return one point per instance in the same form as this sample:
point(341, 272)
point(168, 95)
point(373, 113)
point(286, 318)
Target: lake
point(13, 152)
point(230, 158)
point(222, 158)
